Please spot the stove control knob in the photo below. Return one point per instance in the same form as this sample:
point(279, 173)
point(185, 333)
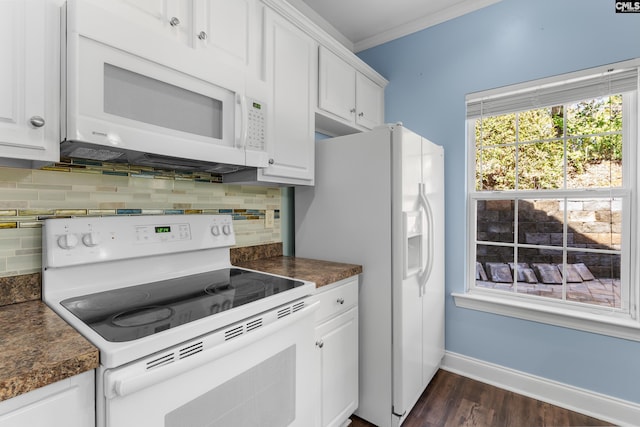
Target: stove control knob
point(68, 241)
point(91, 239)
point(226, 229)
point(215, 230)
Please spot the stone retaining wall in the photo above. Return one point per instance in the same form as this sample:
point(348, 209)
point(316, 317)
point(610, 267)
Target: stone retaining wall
point(592, 223)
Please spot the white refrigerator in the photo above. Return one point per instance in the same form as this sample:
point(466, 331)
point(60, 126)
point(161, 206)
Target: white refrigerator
point(378, 201)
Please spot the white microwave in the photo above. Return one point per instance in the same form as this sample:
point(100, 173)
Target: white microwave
point(128, 98)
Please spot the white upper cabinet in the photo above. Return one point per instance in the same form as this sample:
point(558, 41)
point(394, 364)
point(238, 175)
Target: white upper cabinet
point(348, 100)
point(224, 27)
point(29, 80)
point(290, 64)
point(369, 102)
point(222, 33)
point(264, 48)
point(336, 86)
point(173, 18)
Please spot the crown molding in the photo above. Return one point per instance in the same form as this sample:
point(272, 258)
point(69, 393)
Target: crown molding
point(459, 9)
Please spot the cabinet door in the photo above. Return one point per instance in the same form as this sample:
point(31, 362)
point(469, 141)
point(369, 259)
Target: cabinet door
point(369, 102)
point(336, 85)
point(69, 403)
point(167, 17)
point(290, 63)
point(147, 12)
point(223, 27)
point(29, 80)
point(337, 341)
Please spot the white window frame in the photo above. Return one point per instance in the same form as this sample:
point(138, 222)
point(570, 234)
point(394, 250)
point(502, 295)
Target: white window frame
point(624, 323)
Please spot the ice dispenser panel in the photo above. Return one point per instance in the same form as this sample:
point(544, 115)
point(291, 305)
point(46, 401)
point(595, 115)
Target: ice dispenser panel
point(413, 243)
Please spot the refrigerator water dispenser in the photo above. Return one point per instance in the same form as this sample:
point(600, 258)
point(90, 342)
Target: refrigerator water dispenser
point(412, 224)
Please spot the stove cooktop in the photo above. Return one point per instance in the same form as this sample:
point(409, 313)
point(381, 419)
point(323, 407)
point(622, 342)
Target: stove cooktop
point(134, 312)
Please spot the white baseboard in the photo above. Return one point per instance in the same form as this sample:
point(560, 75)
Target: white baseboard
point(603, 407)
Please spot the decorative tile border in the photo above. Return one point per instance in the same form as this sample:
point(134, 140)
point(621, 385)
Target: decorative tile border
point(34, 218)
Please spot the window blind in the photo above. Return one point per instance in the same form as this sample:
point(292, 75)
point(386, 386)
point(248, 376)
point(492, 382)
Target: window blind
point(609, 82)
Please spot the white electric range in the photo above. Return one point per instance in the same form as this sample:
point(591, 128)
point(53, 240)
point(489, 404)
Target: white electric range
point(185, 338)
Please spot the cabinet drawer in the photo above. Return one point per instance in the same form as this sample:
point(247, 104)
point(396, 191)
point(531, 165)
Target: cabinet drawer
point(336, 298)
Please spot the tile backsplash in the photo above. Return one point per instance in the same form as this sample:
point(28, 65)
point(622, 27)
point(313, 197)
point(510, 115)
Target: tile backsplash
point(28, 196)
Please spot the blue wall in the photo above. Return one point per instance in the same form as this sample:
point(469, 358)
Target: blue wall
point(429, 73)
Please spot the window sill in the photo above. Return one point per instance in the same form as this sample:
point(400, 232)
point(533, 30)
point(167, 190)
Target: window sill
point(589, 322)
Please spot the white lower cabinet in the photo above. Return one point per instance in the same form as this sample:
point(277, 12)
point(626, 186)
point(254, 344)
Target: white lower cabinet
point(69, 402)
point(336, 336)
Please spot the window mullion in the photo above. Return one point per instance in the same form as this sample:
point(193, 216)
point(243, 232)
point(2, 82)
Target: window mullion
point(515, 245)
point(565, 243)
point(517, 152)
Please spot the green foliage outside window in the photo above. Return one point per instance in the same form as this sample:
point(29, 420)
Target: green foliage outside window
point(526, 150)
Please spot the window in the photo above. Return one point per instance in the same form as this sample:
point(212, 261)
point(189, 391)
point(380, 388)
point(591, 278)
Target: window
point(552, 197)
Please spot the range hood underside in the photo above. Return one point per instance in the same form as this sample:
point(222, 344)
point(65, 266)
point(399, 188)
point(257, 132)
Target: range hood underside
point(100, 153)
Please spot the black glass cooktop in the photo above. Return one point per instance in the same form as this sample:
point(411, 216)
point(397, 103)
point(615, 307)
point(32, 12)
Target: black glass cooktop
point(137, 311)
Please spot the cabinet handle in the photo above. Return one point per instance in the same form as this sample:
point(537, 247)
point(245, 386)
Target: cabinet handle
point(320, 343)
point(202, 35)
point(36, 121)
point(271, 161)
point(174, 22)
point(340, 301)
point(361, 114)
point(353, 110)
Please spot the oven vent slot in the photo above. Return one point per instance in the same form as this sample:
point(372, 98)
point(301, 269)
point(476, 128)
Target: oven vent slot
point(234, 332)
point(190, 350)
point(160, 361)
point(284, 312)
point(254, 324)
point(258, 322)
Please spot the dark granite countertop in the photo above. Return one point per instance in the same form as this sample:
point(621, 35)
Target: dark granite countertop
point(39, 348)
point(320, 272)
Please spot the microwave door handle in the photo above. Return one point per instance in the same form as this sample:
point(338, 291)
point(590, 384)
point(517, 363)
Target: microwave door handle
point(244, 122)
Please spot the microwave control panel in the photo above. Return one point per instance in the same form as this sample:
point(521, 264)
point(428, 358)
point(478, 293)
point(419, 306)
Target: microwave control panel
point(256, 117)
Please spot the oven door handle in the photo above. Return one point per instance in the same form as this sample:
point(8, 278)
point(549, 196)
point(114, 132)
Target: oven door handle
point(123, 382)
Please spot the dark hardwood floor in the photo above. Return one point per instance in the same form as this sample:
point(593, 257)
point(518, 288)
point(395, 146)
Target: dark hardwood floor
point(452, 400)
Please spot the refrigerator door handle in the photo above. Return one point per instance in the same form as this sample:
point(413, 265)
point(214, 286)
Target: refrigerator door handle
point(426, 206)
